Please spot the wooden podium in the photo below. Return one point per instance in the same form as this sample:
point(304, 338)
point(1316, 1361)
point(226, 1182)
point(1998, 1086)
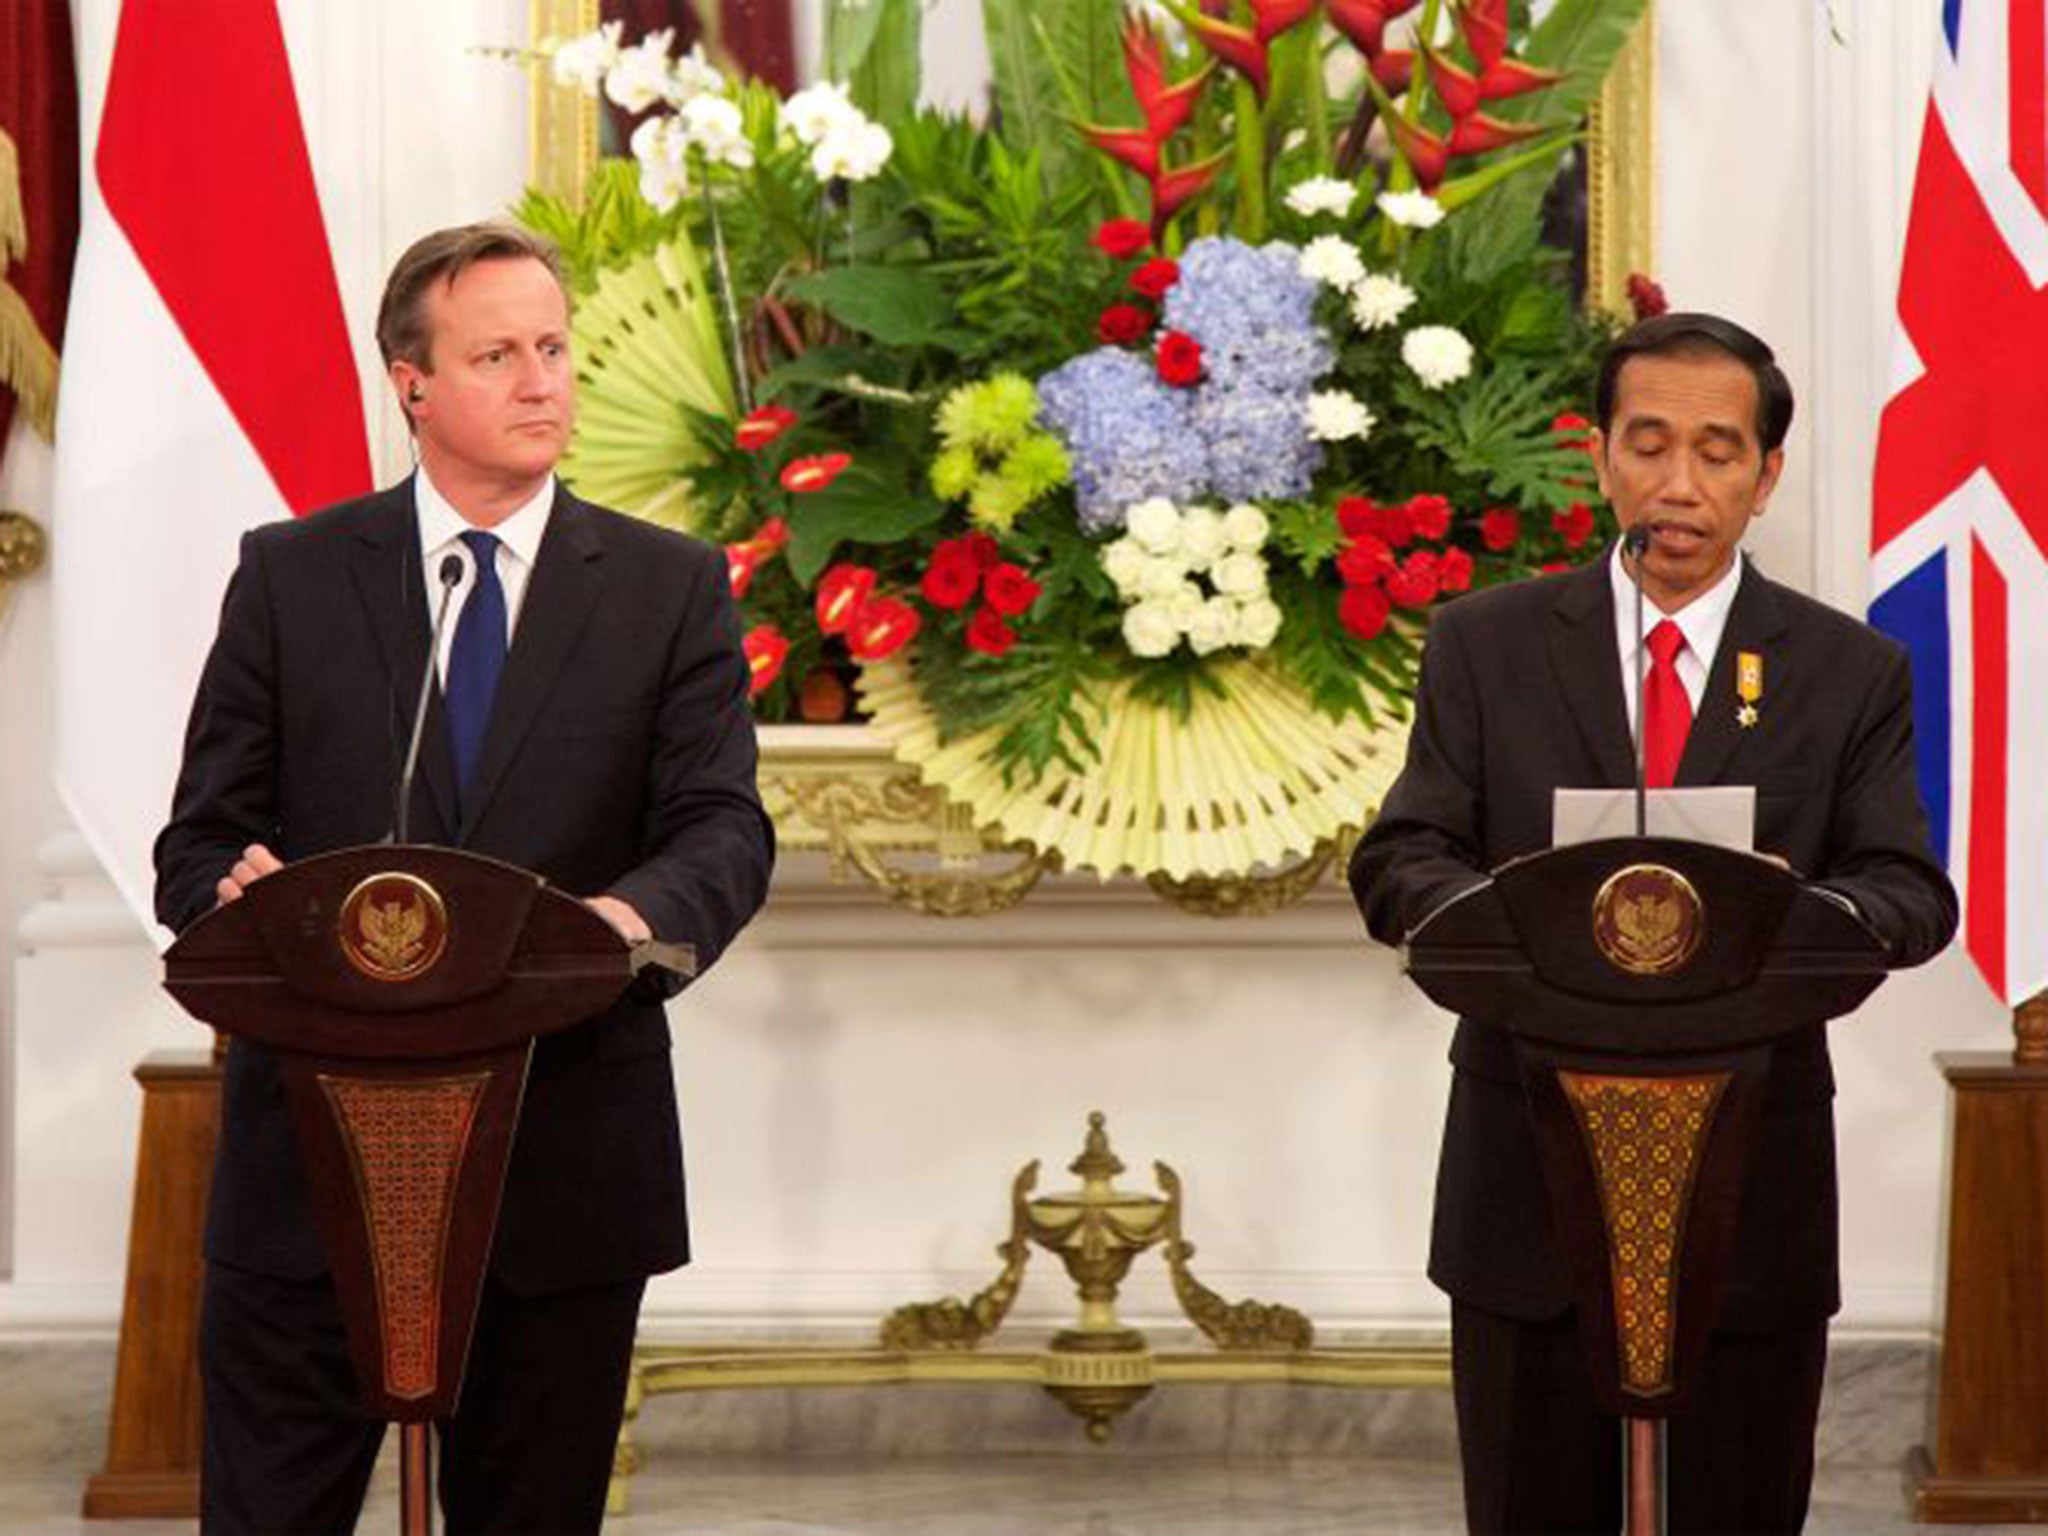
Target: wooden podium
point(402, 988)
point(1643, 981)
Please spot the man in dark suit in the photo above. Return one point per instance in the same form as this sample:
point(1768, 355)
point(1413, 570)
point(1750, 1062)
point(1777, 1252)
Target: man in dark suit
point(589, 721)
point(1527, 688)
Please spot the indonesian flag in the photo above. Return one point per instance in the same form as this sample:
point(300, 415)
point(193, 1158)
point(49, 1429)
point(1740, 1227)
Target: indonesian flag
point(208, 387)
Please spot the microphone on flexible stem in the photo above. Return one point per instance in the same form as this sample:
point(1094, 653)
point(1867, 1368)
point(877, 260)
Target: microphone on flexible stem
point(1634, 543)
point(450, 576)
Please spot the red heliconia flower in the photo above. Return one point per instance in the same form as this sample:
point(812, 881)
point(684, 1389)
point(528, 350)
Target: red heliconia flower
point(1454, 571)
point(1121, 324)
point(883, 627)
point(1121, 239)
point(1430, 514)
point(1426, 153)
point(1166, 107)
point(1365, 560)
point(988, 634)
point(1365, 21)
point(1574, 525)
point(1393, 69)
point(1478, 133)
point(842, 594)
point(1456, 88)
point(1134, 147)
point(1010, 590)
point(1500, 529)
point(954, 576)
point(766, 649)
point(1272, 17)
point(1485, 25)
point(1172, 189)
point(1180, 359)
point(815, 472)
point(1364, 611)
point(1155, 277)
point(760, 428)
point(1511, 77)
point(1239, 47)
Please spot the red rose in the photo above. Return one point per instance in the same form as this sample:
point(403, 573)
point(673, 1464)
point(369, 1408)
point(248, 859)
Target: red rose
point(760, 428)
point(1454, 571)
point(883, 627)
point(1356, 515)
point(987, 553)
point(841, 596)
point(1122, 324)
point(1363, 611)
point(1500, 529)
point(988, 634)
point(1394, 525)
point(1121, 239)
point(1010, 591)
point(765, 650)
point(1574, 525)
point(1155, 277)
point(1180, 359)
point(815, 472)
point(1415, 584)
point(1430, 515)
point(953, 577)
point(1366, 559)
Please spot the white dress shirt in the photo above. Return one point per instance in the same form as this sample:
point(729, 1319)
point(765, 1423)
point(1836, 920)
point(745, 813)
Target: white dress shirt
point(1700, 621)
point(441, 530)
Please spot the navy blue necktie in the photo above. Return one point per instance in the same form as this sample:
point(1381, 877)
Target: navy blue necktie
point(476, 659)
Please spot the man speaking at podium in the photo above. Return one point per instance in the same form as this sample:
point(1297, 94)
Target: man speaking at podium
point(588, 720)
point(1526, 689)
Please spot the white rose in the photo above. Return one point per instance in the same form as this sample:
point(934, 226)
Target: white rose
point(1184, 604)
point(1437, 354)
point(1155, 524)
point(1378, 301)
point(584, 61)
point(693, 76)
point(1332, 261)
point(1334, 415)
point(663, 155)
point(1258, 623)
point(1415, 210)
point(1149, 630)
point(1239, 575)
point(1201, 537)
point(1321, 194)
point(1163, 576)
point(714, 125)
point(639, 76)
point(1124, 563)
point(1246, 527)
point(815, 112)
point(852, 152)
point(1214, 627)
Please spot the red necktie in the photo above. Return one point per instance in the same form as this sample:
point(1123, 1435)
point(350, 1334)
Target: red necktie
point(1667, 712)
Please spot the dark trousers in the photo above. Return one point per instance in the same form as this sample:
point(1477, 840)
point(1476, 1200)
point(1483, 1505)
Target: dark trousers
point(289, 1453)
point(1541, 1460)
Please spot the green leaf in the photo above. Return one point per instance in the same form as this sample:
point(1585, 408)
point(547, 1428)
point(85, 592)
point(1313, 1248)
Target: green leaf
point(857, 508)
point(873, 46)
point(898, 306)
point(1030, 46)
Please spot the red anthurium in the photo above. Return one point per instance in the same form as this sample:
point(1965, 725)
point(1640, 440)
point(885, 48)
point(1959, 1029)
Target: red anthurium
point(1010, 591)
point(883, 627)
point(1456, 88)
point(988, 634)
point(1424, 151)
point(1171, 189)
point(739, 569)
point(1485, 25)
point(766, 649)
point(1272, 17)
point(760, 428)
point(953, 577)
point(1511, 77)
point(842, 594)
point(1135, 147)
point(815, 472)
point(1479, 133)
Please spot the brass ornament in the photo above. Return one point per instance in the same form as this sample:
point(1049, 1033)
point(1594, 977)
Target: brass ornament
point(393, 927)
point(1251, 895)
point(1648, 920)
point(955, 1324)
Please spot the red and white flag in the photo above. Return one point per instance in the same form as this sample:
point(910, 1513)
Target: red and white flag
point(209, 387)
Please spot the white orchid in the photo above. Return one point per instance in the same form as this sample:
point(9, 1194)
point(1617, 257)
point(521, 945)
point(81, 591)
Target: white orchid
point(1437, 355)
point(816, 112)
point(583, 62)
point(639, 76)
point(693, 76)
point(663, 153)
point(714, 126)
point(852, 152)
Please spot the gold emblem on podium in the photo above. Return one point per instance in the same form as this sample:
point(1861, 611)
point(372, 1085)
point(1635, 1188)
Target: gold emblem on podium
point(393, 927)
point(1648, 920)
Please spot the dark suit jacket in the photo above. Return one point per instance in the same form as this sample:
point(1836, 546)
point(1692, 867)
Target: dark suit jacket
point(1521, 693)
point(620, 758)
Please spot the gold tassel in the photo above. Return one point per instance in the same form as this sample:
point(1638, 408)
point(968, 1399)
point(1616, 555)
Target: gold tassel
point(13, 219)
point(28, 363)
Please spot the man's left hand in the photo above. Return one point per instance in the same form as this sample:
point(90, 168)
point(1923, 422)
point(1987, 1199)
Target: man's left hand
point(631, 926)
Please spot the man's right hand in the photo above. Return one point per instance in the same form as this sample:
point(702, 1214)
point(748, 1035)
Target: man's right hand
point(256, 862)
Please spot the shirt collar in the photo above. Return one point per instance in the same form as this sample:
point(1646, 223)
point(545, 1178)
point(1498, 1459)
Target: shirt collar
point(1700, 621)
point(441, 524)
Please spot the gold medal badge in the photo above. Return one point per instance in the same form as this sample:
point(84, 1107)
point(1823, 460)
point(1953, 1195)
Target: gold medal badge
point(1749, 686)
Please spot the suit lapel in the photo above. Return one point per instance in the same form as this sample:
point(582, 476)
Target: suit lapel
point(386, 570)
point(1756, 618)
point(568, 574)
point(1587, 662)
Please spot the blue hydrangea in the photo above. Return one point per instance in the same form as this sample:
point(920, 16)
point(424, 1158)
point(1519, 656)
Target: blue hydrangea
point(1127, 434)
point(1256, 441)
point(1254, 314)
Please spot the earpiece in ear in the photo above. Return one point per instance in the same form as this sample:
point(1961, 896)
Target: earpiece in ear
point(415, 394)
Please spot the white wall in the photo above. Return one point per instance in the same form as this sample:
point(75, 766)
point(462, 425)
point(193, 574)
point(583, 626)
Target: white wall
point(859, 1086)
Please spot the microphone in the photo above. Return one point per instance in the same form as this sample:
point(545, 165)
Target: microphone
point(449, 575)
point(1634, 543)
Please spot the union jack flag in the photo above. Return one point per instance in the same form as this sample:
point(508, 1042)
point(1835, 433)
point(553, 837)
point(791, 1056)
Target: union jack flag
point(1959, 528)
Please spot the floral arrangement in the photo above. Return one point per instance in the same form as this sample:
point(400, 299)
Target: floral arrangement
point(1199, 374)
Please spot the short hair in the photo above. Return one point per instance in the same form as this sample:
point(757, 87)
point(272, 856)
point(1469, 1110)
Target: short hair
point(1680, 334)
point(443, 256)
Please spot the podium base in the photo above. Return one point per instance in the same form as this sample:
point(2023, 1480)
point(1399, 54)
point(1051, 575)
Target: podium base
point(1974, 1500)
point(142, 1496)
